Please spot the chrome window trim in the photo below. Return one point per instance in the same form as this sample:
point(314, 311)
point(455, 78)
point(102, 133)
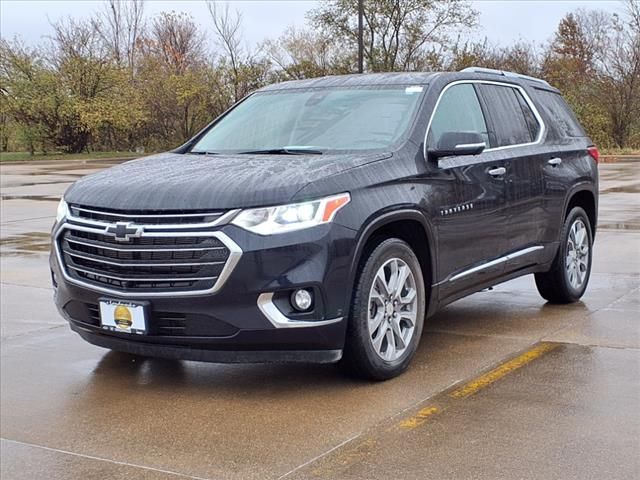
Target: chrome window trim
point(279, 320)
point(235, 252)
point(541, 133)
point(491, 263)
point(148, 227)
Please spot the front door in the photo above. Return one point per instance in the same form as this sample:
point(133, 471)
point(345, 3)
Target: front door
point(470, 214)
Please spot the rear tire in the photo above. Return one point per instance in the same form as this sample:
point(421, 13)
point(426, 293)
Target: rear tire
point(567, 280)
point(387, 312)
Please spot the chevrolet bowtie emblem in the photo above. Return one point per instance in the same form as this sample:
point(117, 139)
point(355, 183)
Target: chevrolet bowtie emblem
point(124, 231)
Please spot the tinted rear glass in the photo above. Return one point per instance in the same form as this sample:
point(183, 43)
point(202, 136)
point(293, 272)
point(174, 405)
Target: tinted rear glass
point(561, 113)
point(512, 127)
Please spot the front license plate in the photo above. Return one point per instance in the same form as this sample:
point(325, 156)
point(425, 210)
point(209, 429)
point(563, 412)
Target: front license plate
point(125, 317)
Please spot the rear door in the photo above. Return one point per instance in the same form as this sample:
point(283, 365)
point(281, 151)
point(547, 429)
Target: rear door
point(566, 159)
point(518, 130)
point(471, 216)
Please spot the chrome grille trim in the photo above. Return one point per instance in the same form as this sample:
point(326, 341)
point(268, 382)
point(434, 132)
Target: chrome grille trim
point(95, 227)
point(117, 264)
point(105, 247)
point(147, 215)
point(136, 279)
point(224, 218)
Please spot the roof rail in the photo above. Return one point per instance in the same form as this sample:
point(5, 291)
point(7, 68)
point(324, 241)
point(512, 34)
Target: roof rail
point(504, 73)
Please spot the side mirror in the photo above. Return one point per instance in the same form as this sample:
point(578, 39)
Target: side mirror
point(458, 143)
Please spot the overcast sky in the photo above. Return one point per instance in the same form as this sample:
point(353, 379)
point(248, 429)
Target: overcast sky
point(501, 21)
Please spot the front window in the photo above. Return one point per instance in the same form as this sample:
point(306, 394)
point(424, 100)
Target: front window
point(319, 120)
point(458, 111)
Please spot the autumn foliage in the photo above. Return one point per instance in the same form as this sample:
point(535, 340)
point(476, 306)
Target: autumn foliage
point(122, 81)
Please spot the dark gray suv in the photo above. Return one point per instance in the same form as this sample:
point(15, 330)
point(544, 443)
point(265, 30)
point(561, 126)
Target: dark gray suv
point(325, 220)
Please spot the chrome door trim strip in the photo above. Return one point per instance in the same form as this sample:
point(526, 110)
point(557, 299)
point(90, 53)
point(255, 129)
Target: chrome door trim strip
point(279, 320)
point(492, 263)
point(541, 132)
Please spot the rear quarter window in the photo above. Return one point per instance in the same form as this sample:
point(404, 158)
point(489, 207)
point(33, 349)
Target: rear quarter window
point(560, 113)
point(513, 121)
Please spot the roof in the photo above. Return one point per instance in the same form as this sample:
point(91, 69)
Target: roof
point(407, 79)
point(367, 79)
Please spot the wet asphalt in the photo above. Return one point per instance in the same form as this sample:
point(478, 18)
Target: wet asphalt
point(503, 385)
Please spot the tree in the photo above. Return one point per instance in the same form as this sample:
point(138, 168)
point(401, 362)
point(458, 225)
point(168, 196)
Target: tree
point(120, 26)
point(31, 95)
point(174, 80)
point(100, 98)
point(399, 34)
point(299, 54)
point(594, 59)
point(520, 57)
point(621, 75)
point(242, 71)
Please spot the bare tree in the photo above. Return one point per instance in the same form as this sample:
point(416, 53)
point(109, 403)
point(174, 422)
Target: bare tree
point(120, 26)
point(622, 74)
point(633, 11)
point(398, 34)
point(176, 39)
point(228, 30)
point(305, 54)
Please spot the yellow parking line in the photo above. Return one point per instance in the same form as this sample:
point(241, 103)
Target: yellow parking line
point(419, 418)
point(497, 373)
point(479, 383)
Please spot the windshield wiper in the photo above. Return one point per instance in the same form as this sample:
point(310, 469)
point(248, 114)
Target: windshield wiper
point(200, 152)
point(284, 151)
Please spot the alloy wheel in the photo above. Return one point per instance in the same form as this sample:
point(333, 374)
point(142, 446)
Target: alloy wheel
point(393, 306)
point(577, 257)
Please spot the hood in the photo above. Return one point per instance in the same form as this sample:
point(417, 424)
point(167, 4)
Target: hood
point(172, 181)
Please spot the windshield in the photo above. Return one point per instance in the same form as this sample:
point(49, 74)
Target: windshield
point(317, 120)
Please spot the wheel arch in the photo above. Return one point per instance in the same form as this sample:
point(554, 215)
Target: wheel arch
point(583, 196)
point(410, 225)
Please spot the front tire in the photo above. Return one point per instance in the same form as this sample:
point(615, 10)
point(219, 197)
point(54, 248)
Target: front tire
point(387, 312)
point(567, 280)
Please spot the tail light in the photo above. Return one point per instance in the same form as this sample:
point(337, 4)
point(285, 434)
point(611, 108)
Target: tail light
point(595, 154)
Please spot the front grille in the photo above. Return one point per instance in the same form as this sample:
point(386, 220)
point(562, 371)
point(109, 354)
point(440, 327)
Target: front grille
point(175, 260)
point(146, 217)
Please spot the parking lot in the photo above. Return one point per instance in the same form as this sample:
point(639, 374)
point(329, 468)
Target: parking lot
point(503, 385)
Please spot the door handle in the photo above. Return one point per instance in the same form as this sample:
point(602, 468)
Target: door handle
point(497, 172)
point(555, 161)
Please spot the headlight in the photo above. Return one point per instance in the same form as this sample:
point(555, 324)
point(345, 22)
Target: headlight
point(63, 211)
point(287, 218)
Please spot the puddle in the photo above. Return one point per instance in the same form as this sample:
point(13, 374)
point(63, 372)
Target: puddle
point(619, 226)
point(635, 188)
point(78, 165)
point(33, 184)
point(25, 243)
point(46, 198)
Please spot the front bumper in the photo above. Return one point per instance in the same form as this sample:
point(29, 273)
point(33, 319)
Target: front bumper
point(232, 324)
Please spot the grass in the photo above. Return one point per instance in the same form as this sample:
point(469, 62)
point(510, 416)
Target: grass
point(25, 157)
point(620, 151)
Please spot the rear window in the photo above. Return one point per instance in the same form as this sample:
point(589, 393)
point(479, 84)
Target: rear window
point(561, 113)
point(513, 120)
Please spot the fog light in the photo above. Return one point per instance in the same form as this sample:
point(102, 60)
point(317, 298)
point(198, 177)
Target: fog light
point(301, 300)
